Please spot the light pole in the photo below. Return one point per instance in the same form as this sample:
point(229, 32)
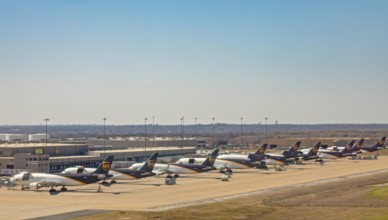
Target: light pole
point(182, 121)
point(46, 120)
point(183, 128)
point(195, 127)
point(266, 139)
point(241, 139)
point(104, 119)
point(213, 131)
point(145, 136)
point(153, 131)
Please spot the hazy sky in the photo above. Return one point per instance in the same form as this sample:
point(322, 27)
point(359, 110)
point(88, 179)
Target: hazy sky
point(76, 62)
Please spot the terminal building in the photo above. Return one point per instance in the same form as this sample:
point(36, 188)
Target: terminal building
point(55, 157)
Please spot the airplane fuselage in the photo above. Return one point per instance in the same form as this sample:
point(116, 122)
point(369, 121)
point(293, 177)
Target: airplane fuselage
point(231, 161)
point(177, 168)
point(116, 174)
point(57, 179)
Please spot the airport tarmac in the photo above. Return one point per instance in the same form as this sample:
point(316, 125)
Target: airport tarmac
point(151, 193)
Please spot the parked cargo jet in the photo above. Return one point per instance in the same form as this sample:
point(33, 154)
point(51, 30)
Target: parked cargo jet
point(278, 159)
point(343, 152)
point(311, 154)
point(293, 152)
point(357, 147)
point(259, 159)
point(332, 148)
point(39, 180)
point(177, 169)
point(123, 173)
point(228, 162)
point(378, 146)
point(241, 161)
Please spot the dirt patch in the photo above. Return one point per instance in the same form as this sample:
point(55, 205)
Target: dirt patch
point(340, 199)
point(352, 192)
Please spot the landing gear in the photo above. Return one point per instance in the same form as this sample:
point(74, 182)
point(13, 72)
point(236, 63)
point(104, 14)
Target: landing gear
point(176, 175)
point(113, 181)
point(262, 165)
point(320, 161)
point(63, 189)
point(228, 173)
point(52, 190)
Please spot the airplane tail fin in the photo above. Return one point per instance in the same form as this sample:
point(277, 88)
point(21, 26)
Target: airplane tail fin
point(150, 163)
point(295, 147)
point(261, 150)
point(298, 143)
point(351, 143)
point(381, 142)
point(104, 166)
point(358, 146)
point(348, 147)
point(292, 152)
point(314, 149)
point(211, 158)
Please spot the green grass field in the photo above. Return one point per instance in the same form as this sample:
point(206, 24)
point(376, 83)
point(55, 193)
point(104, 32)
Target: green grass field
point(379, 193)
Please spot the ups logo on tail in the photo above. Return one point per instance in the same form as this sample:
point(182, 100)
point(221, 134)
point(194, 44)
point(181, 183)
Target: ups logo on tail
point(212, 159)
point(105, 165)
point(261, 150)
point(150, 164)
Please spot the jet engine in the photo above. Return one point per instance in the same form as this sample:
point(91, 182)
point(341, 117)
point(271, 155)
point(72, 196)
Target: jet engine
point(36, 185)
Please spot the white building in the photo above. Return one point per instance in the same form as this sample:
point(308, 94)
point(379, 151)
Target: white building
point(38, 137)
point(3, 137)
point(13, 137)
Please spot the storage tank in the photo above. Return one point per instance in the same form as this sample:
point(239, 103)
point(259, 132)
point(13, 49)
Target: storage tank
point(38, 137)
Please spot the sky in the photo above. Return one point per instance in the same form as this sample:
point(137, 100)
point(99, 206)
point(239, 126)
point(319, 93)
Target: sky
point(300, 62)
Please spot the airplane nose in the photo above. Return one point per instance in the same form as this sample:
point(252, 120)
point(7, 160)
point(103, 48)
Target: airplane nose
point(14, 180)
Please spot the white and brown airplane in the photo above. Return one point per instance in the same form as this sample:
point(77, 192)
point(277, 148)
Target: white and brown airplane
point(39, 180)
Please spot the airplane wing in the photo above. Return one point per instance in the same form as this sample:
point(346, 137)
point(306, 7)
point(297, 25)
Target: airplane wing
point(163, 171)
point(224, 168)
point(221, 168)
